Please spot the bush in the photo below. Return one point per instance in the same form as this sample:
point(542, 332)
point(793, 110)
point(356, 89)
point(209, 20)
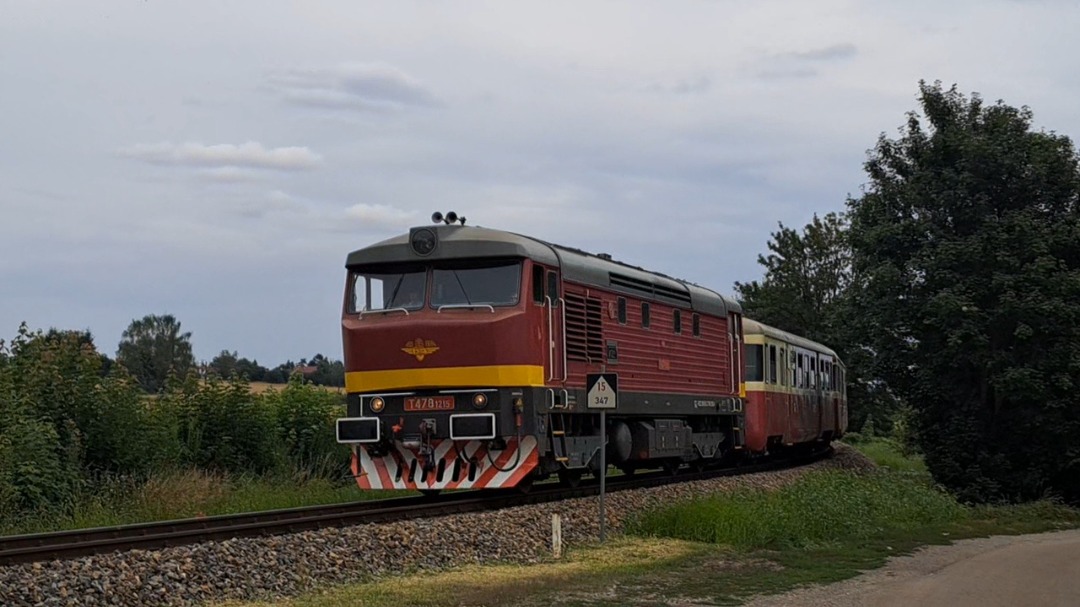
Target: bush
point(305, 422)
point(223, 427)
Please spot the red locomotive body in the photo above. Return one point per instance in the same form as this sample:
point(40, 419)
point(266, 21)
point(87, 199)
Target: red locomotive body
point(467, 349)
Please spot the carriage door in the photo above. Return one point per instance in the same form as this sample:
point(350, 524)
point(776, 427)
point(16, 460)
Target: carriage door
point(816, 367)
point(547, 293)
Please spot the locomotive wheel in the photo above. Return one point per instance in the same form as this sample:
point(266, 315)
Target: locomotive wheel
point(570, 478)
point(671, 466)
point(525, 484)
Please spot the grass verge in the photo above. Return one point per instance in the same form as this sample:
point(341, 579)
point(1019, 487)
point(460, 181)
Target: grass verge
point(187, 494)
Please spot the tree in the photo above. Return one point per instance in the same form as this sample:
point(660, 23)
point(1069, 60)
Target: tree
point(806, 277)
point(806, 291)
point(966, 243)
point(225, 364)
point(153, 347)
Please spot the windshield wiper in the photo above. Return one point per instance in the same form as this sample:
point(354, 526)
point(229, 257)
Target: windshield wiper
point(458, 279)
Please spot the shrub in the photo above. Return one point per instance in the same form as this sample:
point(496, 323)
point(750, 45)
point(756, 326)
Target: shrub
point(305, 418)
point(222, 426)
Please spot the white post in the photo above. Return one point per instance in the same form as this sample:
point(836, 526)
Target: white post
point(556, 535)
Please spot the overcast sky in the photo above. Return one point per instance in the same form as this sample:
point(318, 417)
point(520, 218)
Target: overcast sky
point(218, 160)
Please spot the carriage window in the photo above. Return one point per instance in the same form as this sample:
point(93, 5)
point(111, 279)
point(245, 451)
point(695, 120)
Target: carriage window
point(622, 310)
point(538, 284)
point(645, 316)
point(385, 290)
point(676, 319)
point(697, 325)
point(754, 354)
point(492, 284)
point(772, 364)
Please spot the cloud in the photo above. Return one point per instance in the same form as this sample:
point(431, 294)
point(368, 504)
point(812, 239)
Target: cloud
point(787, 72)
point(273, 202)
point(229, 174)
point(378, 214)
point(697, 86)
point(251, 154)
point(362, 86)
point(843, 50)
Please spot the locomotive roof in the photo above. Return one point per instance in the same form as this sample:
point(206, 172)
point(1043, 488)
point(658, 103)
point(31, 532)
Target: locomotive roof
point(753, 327)
point(456, 241)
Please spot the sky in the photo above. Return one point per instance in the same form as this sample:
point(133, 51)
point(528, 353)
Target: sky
point(218, 160)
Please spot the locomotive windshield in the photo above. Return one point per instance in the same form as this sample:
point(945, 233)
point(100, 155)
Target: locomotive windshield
point(495, 284)
point(385, 290)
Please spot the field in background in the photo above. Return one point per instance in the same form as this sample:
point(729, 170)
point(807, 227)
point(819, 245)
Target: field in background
point(258, 387)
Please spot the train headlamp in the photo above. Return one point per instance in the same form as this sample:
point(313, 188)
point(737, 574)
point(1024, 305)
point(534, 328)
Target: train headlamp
point(519, 403)
point(423, 241)
point(479, 400)
point(377, 404)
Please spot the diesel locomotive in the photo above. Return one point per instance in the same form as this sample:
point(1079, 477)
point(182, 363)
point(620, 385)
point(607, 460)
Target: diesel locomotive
point(466, 353)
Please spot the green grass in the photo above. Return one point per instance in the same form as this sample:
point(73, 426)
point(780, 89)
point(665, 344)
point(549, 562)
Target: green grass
point(888, 454)
point(819, 509)
point(187, 494)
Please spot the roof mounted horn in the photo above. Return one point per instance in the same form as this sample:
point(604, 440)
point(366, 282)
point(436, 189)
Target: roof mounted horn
point(450, 218)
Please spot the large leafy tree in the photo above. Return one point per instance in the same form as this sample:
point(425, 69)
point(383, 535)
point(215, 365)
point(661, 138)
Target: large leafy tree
point(806, 290)
point(154, 346)
point(806, 276)
point(966, 242)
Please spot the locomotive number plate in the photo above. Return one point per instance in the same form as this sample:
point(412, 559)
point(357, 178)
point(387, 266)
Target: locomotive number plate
point(429, 403)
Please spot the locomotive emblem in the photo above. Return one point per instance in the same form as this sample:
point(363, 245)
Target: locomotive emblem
point(420, 348)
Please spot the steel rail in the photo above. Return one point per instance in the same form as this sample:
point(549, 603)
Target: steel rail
point(82, 542)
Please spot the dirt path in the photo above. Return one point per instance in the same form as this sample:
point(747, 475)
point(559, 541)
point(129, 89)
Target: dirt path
point(1030, 570)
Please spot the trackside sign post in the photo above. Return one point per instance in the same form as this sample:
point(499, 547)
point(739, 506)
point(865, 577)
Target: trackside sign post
point(602, 393)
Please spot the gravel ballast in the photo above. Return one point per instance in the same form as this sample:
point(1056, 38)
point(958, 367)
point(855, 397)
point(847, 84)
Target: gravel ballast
point(263, 567)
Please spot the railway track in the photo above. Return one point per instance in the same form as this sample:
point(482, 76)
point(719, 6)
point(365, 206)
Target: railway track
point(81, 542)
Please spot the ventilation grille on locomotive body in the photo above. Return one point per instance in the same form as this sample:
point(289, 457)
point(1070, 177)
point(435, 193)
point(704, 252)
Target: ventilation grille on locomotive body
point(584, 337)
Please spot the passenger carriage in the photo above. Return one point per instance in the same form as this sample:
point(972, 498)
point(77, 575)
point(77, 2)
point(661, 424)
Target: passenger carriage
point(795, 390)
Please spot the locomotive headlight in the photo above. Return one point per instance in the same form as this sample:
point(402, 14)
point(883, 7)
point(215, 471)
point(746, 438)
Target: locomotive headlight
point(479, 400)
point(423, 241)
point(377, 404)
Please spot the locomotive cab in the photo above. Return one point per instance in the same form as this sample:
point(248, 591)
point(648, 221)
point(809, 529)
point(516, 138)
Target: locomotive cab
point(444, 348)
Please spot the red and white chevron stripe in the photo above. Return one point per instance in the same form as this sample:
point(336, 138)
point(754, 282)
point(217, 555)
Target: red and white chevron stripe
point(491, 468)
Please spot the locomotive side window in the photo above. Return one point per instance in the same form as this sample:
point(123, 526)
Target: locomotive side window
point(491, 284)
point(676, 319)
point(385, 290)
point(697, 325)
point(754, 371)
point(772, 364)
point(538, 284)
point(645, 316)
point(622, 310)
point(553, 287)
